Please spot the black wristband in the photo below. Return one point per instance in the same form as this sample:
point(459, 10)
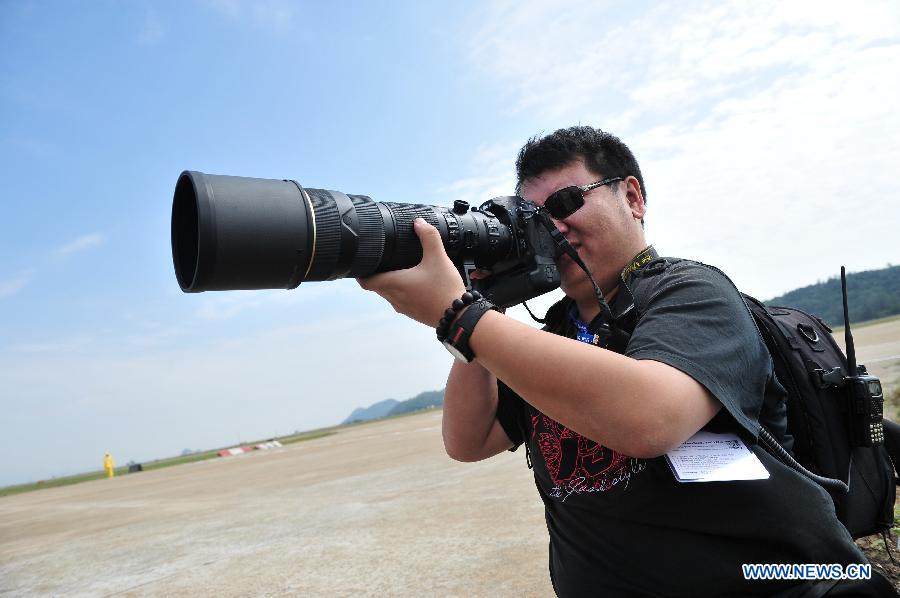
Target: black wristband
point(450, 314)
point(457, 340)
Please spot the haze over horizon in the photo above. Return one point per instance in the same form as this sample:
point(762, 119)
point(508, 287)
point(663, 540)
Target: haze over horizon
point(766, 132)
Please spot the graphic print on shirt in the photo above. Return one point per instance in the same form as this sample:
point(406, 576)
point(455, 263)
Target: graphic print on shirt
point(578, 465)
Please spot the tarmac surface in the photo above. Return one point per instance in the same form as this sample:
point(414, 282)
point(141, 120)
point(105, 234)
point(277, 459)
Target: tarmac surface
point(878, 348)
point(377, 509)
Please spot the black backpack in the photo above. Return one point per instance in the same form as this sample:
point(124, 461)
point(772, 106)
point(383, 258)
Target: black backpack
point(800, 344)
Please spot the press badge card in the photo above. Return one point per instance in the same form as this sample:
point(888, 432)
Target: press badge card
point(708, 457)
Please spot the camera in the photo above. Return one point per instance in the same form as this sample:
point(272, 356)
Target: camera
point(232, 233)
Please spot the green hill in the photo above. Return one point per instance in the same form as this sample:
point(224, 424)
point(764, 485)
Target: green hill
point(423, 400)
point(872, 294)
point(379, 409)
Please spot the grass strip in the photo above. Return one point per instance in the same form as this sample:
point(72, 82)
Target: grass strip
point(157, 464)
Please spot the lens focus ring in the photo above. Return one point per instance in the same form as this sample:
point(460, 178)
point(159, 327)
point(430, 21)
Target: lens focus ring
point(371, 236)
point(408, 250)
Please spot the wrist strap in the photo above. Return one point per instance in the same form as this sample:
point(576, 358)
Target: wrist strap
point(460, 331)
point(450, 314)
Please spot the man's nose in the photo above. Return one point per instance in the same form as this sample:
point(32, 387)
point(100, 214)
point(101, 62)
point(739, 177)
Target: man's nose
point(560, 224)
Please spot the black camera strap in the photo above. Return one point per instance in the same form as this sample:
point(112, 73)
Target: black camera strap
point(614, 334)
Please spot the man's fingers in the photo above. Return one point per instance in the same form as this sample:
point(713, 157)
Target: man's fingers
point(378, 282)
point(430, 238)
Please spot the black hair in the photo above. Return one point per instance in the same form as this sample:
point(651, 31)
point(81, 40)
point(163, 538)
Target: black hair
point(604, 154)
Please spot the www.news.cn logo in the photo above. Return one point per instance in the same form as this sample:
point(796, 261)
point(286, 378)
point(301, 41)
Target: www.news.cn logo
point(806, 571)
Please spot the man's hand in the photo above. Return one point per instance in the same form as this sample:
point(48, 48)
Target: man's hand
point(425, 291)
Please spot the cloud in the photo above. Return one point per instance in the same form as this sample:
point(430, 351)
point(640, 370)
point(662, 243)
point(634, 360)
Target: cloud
point(223, 306)
point(495, 176)
point(54, 346)
point(146, 334)
point(152, 31)
point(760, 127)
point(11, 286)
point(274, 15)
point(230, 8)
point(34, 146)
point(128, 340)
point(591, 57)
point(82, 243)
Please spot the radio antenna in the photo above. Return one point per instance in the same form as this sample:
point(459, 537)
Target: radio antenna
point(848, 336)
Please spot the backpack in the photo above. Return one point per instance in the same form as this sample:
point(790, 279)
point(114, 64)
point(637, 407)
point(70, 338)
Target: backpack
point(800, 344)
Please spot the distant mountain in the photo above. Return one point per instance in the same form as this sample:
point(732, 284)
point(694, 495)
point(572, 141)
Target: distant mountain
point(424, 400)
point(872, 294)
point(379, 409)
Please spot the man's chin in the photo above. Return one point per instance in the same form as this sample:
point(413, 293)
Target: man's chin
point(568, 268)
point(572, 279)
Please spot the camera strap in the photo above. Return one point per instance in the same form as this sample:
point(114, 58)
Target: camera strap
point(615, 333)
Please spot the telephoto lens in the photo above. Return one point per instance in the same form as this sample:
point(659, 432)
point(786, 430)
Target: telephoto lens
point(233, 233)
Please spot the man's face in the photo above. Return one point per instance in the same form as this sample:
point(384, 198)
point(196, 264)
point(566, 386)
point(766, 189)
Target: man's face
point(606, 230)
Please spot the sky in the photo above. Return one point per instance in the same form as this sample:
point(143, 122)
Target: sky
point(767, 132)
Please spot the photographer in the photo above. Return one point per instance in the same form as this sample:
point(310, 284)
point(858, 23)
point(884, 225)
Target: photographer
point(598, 413)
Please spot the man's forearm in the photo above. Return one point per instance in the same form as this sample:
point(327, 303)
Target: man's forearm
point(640, 408)
point(470, 429)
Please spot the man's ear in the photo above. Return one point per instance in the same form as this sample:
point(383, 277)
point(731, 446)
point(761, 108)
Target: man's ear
point(635, 198)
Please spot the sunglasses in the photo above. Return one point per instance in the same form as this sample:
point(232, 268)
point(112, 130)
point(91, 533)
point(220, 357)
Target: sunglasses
point(565, 202)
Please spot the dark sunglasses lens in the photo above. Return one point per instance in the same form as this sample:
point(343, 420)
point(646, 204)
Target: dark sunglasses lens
point(564, 202)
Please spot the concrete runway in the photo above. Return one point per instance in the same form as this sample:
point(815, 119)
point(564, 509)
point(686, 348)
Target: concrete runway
point(375, 509)
point(878, 348)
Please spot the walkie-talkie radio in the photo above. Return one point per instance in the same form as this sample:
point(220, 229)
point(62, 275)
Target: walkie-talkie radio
point(865, 409)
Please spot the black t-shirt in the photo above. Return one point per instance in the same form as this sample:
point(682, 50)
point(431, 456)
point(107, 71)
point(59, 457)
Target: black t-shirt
point(625, 526)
